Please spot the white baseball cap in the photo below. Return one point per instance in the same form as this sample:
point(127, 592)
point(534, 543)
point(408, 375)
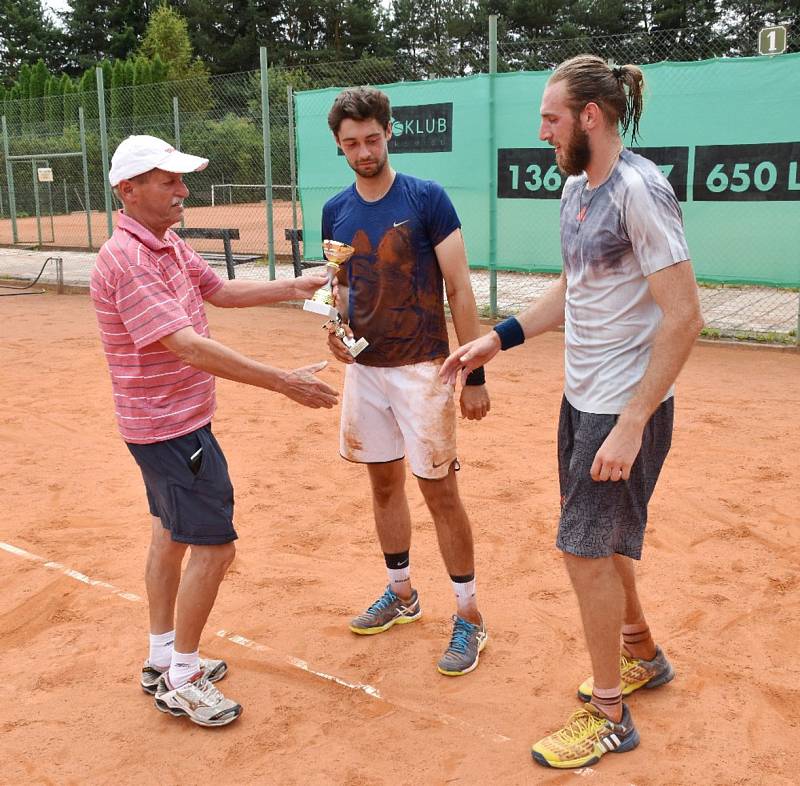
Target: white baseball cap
point(139, 154)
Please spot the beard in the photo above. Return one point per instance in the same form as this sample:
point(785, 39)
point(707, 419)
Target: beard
point(371, 168)
point(576, 156)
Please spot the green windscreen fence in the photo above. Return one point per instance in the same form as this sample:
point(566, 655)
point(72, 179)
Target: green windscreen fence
point(725, 132)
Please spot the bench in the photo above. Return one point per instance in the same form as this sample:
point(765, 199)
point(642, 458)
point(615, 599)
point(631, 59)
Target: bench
point(294, 236)
point(227, 256)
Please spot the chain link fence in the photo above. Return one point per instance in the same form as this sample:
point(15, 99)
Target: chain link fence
point(745, 312)
point(222, 118)
point(638, 47)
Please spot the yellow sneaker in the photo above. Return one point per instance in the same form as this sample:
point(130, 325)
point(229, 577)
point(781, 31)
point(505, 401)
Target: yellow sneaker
point(587, 736)
point(636, 673)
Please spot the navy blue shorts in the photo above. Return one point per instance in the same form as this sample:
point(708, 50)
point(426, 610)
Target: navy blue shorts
point(195, 503)
point(602, 518)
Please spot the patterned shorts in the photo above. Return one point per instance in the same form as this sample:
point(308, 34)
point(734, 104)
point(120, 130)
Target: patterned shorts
point(599, 519)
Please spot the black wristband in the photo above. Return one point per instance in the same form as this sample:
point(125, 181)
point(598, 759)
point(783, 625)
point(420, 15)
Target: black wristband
point(476, 377)
point(510, 332)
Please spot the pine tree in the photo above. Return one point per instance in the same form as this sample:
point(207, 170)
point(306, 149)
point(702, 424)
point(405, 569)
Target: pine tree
point(116, 104)
point(167, 36)
point(143, 78)
point(87, 82)
point(24, 83)
point(36, 92)
point(228, 32)
point(70, 101)
point(108, 28)
point(161, 96)
point(26, 34)
point(742, 20)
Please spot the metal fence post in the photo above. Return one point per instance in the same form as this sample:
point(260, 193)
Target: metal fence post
point(36, 202)
point(12, 202)
point(176, 118)
point(87, 197)
point(101, 111)
point(797, 328)
point(50, 204)
point(492, 168)
point(267, 160)
point(292, 154)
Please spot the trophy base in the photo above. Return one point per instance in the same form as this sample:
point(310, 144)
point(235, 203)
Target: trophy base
point(329, 312)
point(357, 347)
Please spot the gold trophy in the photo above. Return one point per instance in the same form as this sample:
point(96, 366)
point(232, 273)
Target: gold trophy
point(337, 255)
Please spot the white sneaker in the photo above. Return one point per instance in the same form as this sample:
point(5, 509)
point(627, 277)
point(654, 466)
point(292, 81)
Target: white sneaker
point(198, 699)
point(213, 669)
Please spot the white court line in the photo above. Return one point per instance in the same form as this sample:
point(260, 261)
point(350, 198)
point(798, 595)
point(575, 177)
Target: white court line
point(368, 689)
point(298, 664)
point(235, 638)
point(73, 574)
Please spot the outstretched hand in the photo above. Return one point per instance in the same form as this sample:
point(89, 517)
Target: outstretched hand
point(469, 357)
point(302, 386)
point(306, 286)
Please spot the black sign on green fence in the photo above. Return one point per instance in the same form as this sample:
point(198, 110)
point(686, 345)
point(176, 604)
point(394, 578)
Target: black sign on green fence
point(768, 172)
point(772, 41)
point(531, 172)
point(425, 128)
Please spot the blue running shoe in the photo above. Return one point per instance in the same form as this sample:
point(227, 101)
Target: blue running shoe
point(388, 610)
point(464, 650)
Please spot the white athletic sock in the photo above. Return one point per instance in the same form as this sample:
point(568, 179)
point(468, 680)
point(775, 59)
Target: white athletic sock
point(184, 665)
point(465, 596)
point(161, 649)
point(400, 579)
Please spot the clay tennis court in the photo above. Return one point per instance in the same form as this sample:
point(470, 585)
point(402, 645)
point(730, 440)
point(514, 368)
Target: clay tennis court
point(70, 231)
point(720, 578)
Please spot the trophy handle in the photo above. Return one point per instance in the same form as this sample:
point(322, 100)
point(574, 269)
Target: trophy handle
point(332, 269)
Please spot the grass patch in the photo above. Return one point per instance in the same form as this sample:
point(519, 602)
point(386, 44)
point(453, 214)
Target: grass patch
point(767, 337)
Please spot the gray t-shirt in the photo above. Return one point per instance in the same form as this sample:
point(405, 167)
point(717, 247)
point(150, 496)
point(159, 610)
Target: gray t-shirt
point(612, 237)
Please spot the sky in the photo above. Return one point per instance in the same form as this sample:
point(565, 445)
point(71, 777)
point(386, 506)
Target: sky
point(56, 6)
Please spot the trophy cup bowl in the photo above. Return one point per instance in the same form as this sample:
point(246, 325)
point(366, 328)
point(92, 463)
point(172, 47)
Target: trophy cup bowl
point(337, 254)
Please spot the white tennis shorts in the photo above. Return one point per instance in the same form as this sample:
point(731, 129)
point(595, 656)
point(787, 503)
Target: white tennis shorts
point(388, 413)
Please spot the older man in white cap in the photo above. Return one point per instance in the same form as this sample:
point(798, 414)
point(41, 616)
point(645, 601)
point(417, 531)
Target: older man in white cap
point(148, 288)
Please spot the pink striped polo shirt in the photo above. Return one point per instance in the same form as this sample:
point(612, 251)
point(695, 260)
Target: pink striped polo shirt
point(144, 289)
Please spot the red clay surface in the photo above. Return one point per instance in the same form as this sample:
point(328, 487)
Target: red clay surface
point(720, 581)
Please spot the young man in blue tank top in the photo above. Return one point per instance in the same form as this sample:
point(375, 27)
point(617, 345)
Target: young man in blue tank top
point(408, 251)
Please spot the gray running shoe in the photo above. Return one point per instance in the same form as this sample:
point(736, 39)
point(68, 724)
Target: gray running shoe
point(198, 699)
point(464, 650)
point(388, 610)
point(213, 670)
point(636, 673)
